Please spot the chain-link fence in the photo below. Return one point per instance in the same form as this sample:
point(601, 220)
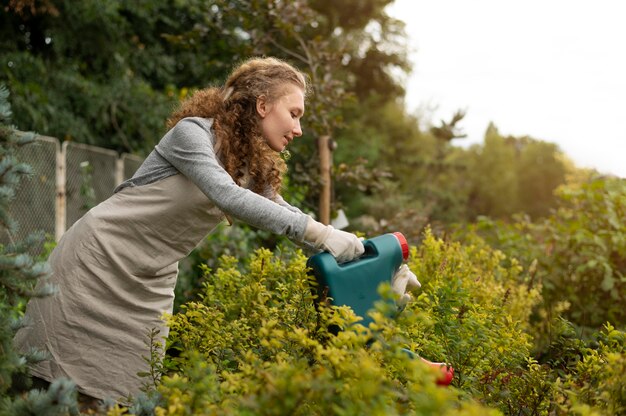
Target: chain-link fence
point(34, 205)
point(68, 180)
point(90, 178)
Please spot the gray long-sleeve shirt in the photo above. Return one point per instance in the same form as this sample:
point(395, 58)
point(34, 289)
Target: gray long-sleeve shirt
point(188, 148)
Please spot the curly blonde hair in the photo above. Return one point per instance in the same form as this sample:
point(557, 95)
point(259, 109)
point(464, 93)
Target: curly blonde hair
point(240, 145)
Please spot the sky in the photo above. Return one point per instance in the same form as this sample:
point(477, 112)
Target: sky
point(554, 70)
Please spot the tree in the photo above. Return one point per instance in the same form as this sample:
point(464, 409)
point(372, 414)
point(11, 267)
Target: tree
point(510, 175)
point(540, 171)
point(494, 177)
point(108, 73)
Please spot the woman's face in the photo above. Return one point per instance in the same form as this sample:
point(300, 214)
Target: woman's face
point(280, 120)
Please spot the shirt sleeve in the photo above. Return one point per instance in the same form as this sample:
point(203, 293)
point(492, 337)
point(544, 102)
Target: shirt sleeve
point(308, 248)
point(188, 146)
point(280, 201)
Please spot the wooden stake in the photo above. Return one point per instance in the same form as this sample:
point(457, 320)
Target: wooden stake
point(325, 154)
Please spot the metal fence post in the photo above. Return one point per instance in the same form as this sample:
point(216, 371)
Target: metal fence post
point(61, 173)
point(68, 179)
point(119, 170)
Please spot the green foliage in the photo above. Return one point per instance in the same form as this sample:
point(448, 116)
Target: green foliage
point(588, 378)
point(579, 252)
point(19, 274)
point(255, 344)
point(18, 270)
point(237, 240)
point(109, 73)
point(413, 177)
point(586, 239)
point(494, 177)
point(478, 317)
point(58, 399)
point(434, 182)
point(508, 175)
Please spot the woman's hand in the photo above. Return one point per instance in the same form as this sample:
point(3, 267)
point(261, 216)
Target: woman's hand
point(342, 245)
point(402, 283)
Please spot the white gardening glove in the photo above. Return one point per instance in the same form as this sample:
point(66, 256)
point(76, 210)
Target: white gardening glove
point(402, 283)
point(342, 245)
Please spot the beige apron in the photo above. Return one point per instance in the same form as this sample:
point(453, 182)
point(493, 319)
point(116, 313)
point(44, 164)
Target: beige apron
point(115, 270)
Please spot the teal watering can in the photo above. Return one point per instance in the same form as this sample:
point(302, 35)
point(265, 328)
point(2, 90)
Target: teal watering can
point(356, 283)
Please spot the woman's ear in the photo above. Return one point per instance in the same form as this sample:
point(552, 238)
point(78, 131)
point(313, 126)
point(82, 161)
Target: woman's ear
point(262, 106)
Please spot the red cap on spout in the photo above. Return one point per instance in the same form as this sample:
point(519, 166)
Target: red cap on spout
point(404, 245)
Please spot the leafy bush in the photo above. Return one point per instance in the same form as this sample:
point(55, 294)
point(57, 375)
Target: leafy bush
point(580, 252)
point(478, 315)
point(585, 240)
point(593, 378)
point(237, 240)
point(256, 343)
point(259, 328)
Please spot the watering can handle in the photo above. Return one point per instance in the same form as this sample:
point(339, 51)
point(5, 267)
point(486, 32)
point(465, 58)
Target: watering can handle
point(370, 248)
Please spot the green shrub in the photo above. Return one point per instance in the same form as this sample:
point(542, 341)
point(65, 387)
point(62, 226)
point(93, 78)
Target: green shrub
point(238, 240)
point(591, 377)
point(19, 274)
point(580, 252)
point(477, 315)
point(585, 243)
point(255, 344)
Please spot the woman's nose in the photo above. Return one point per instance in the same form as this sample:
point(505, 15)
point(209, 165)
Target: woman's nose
point(297, 129)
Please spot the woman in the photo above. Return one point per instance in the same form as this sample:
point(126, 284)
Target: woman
point(116, 267)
